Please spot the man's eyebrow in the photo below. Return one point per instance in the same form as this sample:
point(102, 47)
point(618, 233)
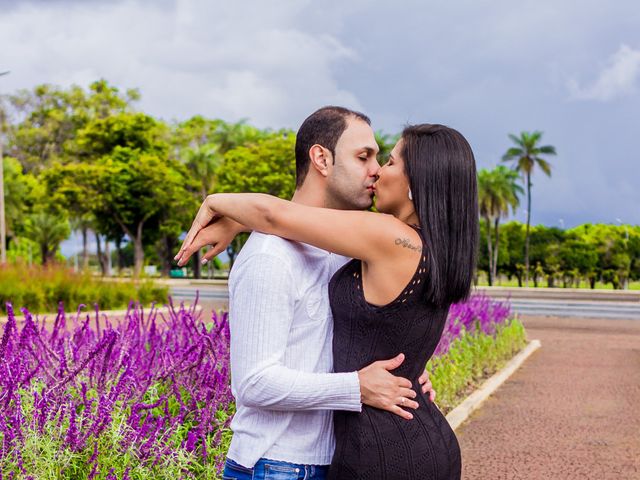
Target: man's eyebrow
point(370, 150)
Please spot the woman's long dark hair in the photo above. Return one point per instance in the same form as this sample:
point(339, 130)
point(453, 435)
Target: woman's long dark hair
point(442, 175)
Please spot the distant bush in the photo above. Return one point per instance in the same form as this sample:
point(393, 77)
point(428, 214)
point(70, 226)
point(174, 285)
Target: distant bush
point(40, 289)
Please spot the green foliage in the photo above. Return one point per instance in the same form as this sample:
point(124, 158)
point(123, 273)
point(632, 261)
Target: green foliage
point(40, 289)
point(46, 457)
point(385, 142)
point(471, 359)
point(20, 194)
point(267, 166)
point(593, 253)
point(48, 231)
point(49, 118)
point(133, 131)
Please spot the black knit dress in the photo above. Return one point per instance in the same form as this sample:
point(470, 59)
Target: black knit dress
point(375, 444)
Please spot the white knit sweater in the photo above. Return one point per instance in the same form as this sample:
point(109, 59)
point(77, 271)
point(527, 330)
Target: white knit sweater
point(281, 353)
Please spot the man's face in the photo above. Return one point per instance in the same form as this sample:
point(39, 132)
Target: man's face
point(350, 181)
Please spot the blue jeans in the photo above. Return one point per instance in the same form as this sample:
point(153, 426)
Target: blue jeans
point(266, 469)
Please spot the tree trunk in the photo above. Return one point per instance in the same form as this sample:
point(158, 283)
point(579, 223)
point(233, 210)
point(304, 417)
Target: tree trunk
point(100, 254)
point(526, 241)
point(85, 249)
point(495, 250)
point(119, 254)
point(197, 266)
point(107, 257)
point(138, 251)
point(44, 253)
point(490, 252)
point(167, 248)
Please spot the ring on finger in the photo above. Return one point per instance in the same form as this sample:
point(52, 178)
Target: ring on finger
point(402, 400)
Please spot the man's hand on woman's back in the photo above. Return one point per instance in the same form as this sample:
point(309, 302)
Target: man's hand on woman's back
point(381, 389)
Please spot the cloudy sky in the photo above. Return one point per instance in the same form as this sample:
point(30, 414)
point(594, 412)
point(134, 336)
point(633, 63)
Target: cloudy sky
point(570, 69)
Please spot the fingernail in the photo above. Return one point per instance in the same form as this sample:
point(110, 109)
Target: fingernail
point(204, 261)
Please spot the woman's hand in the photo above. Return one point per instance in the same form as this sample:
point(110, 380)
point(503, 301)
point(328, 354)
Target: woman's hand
point(205, 216)
point(218, 234)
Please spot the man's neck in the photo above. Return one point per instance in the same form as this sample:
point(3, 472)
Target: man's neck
point(309, 196)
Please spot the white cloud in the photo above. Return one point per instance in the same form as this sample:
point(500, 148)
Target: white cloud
point(618, 78)
point(220, 59)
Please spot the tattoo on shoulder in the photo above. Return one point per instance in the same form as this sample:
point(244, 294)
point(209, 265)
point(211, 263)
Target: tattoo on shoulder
point(406, 243)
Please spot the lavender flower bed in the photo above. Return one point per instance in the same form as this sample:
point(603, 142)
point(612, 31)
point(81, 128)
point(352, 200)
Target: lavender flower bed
point(148, 396)
point(478, 314)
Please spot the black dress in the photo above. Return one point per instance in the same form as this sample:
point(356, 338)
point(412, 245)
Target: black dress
point(375, 444)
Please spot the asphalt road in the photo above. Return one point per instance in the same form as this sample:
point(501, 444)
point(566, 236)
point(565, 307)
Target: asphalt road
point(528, 307)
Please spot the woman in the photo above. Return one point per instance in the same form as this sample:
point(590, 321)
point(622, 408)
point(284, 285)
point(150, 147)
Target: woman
point(409, 266)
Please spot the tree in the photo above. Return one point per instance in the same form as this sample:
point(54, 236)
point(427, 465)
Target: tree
point(385, 142)
point(49, 119)
point(48, 231)
point(514, 236)
point(19, 193)
point(141, 190)
point(265, 167)
point(578, 258)
point(526, 155)
point(544, 249)
point(497, 194)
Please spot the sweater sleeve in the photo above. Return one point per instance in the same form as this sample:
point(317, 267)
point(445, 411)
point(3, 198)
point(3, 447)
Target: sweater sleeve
point(262, 295)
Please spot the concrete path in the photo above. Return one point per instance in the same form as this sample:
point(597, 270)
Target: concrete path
point(572, 411)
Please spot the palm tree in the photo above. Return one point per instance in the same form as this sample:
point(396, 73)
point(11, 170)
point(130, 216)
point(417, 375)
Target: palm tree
point(497, 194)
point(48, 231)
point(526, 155)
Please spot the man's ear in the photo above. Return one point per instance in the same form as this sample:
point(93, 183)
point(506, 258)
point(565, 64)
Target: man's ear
point(320, 159)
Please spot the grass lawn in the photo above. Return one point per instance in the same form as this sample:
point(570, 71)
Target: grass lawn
point(505, 282)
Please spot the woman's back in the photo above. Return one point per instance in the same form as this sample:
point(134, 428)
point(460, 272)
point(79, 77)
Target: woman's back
point(376, 444)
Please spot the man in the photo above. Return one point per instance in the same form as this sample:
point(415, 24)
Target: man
point(280, 320)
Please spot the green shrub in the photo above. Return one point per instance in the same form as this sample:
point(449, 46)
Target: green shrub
point(40, 289)
point(471, 359)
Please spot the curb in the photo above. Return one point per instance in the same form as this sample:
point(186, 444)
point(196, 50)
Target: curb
point(470, 404)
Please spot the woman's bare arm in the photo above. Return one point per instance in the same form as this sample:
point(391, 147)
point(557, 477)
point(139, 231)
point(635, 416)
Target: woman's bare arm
point(357, 234)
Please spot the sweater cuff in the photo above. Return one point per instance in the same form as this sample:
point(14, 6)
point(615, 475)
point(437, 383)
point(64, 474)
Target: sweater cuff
point(352, 386)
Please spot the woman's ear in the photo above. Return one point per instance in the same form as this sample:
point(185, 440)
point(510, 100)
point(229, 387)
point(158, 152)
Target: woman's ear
point(320, 160)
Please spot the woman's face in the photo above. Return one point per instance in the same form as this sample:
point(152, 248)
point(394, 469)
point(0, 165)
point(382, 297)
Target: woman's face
point(392, 187)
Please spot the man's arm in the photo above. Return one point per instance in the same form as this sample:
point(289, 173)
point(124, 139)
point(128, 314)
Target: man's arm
point(262, 308)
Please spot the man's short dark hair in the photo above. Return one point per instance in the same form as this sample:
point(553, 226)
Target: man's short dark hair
point(323, 127)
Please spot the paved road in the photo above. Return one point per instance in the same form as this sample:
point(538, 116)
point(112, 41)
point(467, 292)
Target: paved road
point(572, 411)
point(538, 307)
point(580, 309)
